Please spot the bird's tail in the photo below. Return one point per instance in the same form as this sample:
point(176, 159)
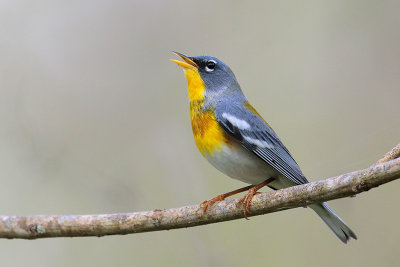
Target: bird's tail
point(336, 224)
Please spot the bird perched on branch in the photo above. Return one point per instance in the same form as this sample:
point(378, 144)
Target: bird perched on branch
point(236, 140)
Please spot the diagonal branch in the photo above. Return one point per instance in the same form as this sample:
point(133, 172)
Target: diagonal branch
point(350, 184)
point(394, 153)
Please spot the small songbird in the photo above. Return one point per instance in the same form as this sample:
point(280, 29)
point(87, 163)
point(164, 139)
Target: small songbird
point(236, 140)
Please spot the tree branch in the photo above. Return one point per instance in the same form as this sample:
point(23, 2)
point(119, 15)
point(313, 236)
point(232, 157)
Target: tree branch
point(394, 153)
point(350, 184)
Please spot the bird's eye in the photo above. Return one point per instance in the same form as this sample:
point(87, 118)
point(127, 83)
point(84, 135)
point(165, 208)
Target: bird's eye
point(210, 65)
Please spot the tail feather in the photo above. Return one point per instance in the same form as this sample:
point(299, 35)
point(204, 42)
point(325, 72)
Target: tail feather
point(337, 225)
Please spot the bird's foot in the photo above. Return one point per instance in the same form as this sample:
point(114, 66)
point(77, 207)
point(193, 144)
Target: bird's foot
point(205, 204)
point(246, 200)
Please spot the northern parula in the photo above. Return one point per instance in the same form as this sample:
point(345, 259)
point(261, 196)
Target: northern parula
point(236, 140)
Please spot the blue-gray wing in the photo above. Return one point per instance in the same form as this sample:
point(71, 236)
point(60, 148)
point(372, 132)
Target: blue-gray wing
point(255, 134)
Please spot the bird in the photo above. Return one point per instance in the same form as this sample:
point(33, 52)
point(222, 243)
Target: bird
point(236, 140)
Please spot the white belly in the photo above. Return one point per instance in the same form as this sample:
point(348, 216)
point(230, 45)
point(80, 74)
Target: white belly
point(239, 163)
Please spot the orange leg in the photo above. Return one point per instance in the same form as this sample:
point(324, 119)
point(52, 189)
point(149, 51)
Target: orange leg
point(207, 203)
point(246, 200)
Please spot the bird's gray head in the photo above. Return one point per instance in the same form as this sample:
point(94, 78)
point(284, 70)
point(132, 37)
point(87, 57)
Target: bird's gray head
point(216, 74)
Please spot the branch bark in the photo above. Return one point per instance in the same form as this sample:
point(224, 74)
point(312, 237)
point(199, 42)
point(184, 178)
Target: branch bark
point(41, 226)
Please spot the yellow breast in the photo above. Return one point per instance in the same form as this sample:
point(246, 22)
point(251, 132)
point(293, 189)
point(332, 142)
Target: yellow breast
point(208, 135)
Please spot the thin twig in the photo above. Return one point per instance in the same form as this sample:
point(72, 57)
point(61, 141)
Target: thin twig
point(41, 226)
point(394, 153)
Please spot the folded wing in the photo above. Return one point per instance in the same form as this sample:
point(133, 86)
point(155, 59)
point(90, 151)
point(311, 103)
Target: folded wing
point(257, 136)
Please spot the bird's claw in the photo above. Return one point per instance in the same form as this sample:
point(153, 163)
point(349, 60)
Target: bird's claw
point(205, 204)
point(246, 201)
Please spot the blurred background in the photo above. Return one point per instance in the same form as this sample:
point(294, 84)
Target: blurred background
point(94, 119)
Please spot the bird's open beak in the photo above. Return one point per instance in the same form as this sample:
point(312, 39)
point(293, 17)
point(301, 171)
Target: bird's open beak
point(188, 64)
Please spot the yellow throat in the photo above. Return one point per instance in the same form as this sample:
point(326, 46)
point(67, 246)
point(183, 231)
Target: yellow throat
point(208, 135)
